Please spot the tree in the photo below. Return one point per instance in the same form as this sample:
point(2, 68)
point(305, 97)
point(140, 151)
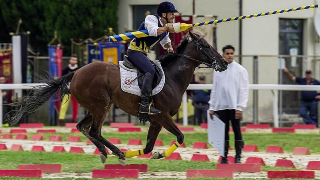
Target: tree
point(70, 18)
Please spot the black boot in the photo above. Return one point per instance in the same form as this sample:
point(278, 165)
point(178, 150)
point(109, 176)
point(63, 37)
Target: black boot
point(146, 96)
point(224, 160)
point(238, 146)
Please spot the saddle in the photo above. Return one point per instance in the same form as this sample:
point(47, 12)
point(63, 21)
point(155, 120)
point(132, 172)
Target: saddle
point(157, 77)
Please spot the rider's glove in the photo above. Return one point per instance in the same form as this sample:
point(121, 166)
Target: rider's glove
point(176, 27)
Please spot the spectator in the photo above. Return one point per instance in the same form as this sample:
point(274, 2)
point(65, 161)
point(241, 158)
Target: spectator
point(200, 100)
point(66, 99)
point(5, 101)
point(308, 105)
point(229, 96)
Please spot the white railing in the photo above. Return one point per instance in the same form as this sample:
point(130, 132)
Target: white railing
point(273, 87)
point(14, 87)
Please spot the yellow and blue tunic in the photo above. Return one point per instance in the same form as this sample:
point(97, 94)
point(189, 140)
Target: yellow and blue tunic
point(144, 44)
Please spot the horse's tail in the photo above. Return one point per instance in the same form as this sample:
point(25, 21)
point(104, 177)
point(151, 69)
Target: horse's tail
point(39, 95)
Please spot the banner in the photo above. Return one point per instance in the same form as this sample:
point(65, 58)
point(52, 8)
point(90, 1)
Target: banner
point(53, 73)
point(93, 53)
point(110, 53)
point(58, 63)
point(6, 69)
point(52, 60)
point(6, 66)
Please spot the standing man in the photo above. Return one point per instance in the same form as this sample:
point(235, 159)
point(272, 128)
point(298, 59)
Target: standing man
point(309, 104)
point(200, 100)
point(229, 96)
point(73, 66)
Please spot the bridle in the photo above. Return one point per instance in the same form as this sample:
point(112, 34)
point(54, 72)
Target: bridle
point(213, 59)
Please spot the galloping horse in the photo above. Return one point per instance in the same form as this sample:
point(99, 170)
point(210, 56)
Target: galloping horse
point(97, 85)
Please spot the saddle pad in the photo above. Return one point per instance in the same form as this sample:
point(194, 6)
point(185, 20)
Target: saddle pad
point(129, 80)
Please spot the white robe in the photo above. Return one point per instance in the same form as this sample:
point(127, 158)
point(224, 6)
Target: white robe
point(230, 88)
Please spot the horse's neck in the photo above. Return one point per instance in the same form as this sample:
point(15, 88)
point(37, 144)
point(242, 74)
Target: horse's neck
point(180, 73)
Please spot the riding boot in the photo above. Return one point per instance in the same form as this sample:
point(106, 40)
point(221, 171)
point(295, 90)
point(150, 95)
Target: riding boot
point(146, 96)
point(238, 146)
point(224, 160)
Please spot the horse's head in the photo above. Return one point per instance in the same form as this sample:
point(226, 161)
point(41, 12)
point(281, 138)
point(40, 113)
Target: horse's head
point(208, 55)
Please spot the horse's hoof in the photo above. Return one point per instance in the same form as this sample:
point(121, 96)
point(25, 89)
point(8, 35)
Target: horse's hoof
point(156, 155)
point(122, 162)
point(103, 158)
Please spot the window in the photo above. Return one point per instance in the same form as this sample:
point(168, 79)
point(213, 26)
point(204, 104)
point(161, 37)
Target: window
point(290, 43)
point(139, 14)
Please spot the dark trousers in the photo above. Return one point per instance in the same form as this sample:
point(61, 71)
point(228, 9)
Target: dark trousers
point(5, 110)
point(141, 61)
point(308, 111)
point(200, 112)
point(229, 115)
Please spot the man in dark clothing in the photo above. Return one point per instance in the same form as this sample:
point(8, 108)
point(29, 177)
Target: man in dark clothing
point(66, 99)
point(200, 102)
point(309, 104)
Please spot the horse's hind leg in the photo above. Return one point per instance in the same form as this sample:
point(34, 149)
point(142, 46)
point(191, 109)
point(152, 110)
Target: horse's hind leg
point(153, 133)
point(169, 125)
point(83, 126)
point(95, 132)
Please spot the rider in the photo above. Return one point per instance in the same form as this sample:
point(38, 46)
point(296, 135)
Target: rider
point(158, 28)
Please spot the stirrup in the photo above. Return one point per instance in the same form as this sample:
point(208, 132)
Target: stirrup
point(148, 109)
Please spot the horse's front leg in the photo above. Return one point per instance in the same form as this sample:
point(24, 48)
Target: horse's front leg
point(169, 125)
point(153, 133)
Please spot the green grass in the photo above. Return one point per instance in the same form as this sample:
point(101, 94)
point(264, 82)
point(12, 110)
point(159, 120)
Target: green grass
point(85, 163)
point(262, 140)
point(82, 163)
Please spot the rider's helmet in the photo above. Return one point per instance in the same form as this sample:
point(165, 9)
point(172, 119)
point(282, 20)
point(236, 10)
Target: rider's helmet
point(166, 7)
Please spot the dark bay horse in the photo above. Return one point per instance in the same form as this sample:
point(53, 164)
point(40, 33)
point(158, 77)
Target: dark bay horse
point(97, 85)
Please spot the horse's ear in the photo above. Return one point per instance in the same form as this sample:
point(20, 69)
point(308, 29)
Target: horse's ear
point(192, 35)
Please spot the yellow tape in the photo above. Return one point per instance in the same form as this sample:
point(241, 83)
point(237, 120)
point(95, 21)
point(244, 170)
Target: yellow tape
point(129, 154)
point(171, 149)
point(114, 39)
point(124, 37)
point(139, 34)
point(184, 26)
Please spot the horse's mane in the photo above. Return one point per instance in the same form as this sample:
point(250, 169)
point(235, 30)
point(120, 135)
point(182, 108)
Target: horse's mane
point(167, 59)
